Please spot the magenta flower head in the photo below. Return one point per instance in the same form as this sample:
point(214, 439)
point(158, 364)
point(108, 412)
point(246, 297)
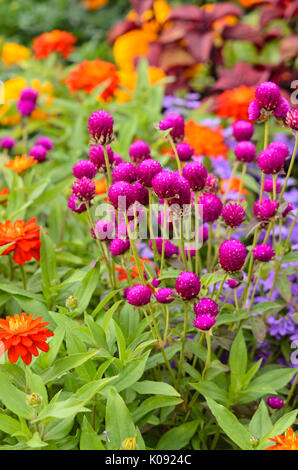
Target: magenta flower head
point(138, 295)
point(118, 246)
point(84, 168)
point(254, 110)
point(275, 403)
point(7, 142)
point(84, 189)
point(26, 107)
point(46, 142)
point(155, 282)
point(204, 322)
point(104, 230)
point(270, 161)
point(28, 94)
point(265, 210)
point(101, 127)
point(280, 148)
point(147, 170)
point(232, 254)
point(97, 157)
point(206, 306)
point(184, 151)
point(170, 248)
point(263, 253)
point(188, 285)
point(212, 207)
point(243, 130)
point(139, 151)
point(211, 184)
point(268, 95)
point(125, 171)
point(268, 186)
point(183, 195)
point(142, 193)
point(75, 205)
point(117, 159)
point(164, 295)
point(292, 119)
point(245, 151)
point(164, 184)
point(196, 174)
point(175, 122)
point(122, 195)
point(287, 210)
point(282, 109)
point(233, 284)
point(233, 214)
point(38, 152)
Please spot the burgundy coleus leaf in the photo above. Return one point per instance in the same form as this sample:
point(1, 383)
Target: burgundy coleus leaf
point(223, 9)
point(174, 33)
point(200, 45)
point(120, 28)
point(289, 47)
point(140, 6)
point(186, 13)
point(292, 10)
point(243, 32)
point(175, 56)
point(154, 53)
point(269, 14)
point(240, 74)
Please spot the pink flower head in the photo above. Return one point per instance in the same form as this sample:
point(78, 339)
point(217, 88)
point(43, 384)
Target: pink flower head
point(187, 285)
point(268, 186)
point(125, 171)
point(76, 205)
point(233, 214)
point(212, 184)
point(206, 306)
point(243, 130)
point(268, 95)
point(84, 189)
point(138, 295)
point(164, 295)
point(28, 94)
point(263, 253)
point(147, 170)
point(97, 157)
point(46, 142)
point(254, 110)
point(270, 161)
point(275, 403)
point(101, 127)
point(282, 109)
point(164, 184)
point(280, 148)
point(287, 210)
point(196, 174)
point(184, 151)
point(212, 207)
point(245, 151)
point(142, 194)
point(139, 151)
point(232, 254)
point(122, 195)
point(84, 168)
point(170, 248)
point(182, 192)
point(292, 119)
point(204, 322)
point(233, 284)
point(266, 209)
point(175, 122)
point(26, 107)
point(118, 246)
point(7, 142)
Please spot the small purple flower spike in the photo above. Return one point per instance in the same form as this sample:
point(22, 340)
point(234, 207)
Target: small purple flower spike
point(104, 230)
point(121, 194)
point(187, 285)
point(266, 209)
point(164, 184)
point(118, 246)
point(196, 174)
point(175, 122)
point(7, 142)
point(38, 152)
point(46, 142)
point(101, 127)
point(147, 170)
point(142, 193)
point(138, 295)
point(232, 254)
point(84, 168)
point(292, 119)
point(275, 403)
point(254, 110)
point(96, 155)
point(268, 186)
point(185, 151)
point(268, 95)
point(233, 214)
point(245, 151)
point(212, 207)
point(204, 322)
point(271, 160)
point(212, 184)
point(282, 109)
point(206, 306)
point(263, 253)
point(139, 151)
point(125, 171)
point(84, 189)
point(243, 130)
point(170, 248)
point(164, 295)
point(75, 205)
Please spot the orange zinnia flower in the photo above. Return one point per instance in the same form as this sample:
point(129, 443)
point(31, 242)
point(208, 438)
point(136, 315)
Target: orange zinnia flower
point(134, 270)
point(234, 103)
point(90, 73)
point(4, 192)
point(55, 41)
point(287, 442)
point(233, 185)
point(94, 4)
point(22, 335)
point(100, 186)
point(250, 3)
point(24, 238)
point(205, 141)
point(20, 164)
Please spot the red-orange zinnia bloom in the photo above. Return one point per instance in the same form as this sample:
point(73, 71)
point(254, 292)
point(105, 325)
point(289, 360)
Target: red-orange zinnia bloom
point(204, 140)
point(24, 238)
point(4, 192)
point(287, 442)
point(134, 270)
point(20, 164)
point(22, 335)
point(231, 184)
point(234, 103)
point(54, 41)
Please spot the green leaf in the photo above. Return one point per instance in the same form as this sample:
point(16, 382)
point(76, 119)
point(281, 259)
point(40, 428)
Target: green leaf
point(264, 307)
point(273, 380)
point(279, 428)
point(89, 439)
point(131, 373)
point(103, 302)
point(86, 288)
point(48, 260)
point(148, 387)
point(260, 423)
point(211, 390)
point(284, 286)
point(13, 398)
point(238, 362)
point(119, 423)
point(9, 425)
point(178, 437)
point(290, 258)
point(153, 403)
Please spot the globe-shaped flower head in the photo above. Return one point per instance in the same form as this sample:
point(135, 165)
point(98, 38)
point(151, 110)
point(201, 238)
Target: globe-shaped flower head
point(254, 110)
point(97, 157)
point(46, 142)
point(212, 184)
point(7, 142)
point(139, 151)
point(101, 127)
point(206, 306)
point(84, 168)
point(233, 214)
point(268, 95)
point(266, 209)
point(275, 403)
point(196, 174)
point(292, 119)
point(204, 322)
point(187, 285)
point(103, 230)
point(125, 171)
point(175, 122)
point(282, 109)
point(245, 151)
point(272, 159)
point(184, 151)
point(147, 170)
point(27, 102)
point(142, 193)
point(243, 130)
point(263, 253)
point(232, 254)
point(122, 195)
point(138, 295)
point(84, 189)
point(75, 205)
point(164, 184)
point(212, 207)
point(268, 186)
point(118, 246)
point(183, 195)
point(164, 295)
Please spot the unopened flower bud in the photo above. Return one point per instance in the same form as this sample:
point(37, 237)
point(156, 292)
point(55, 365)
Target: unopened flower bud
point(71, 302)
point(33, 400)
point(129, 444)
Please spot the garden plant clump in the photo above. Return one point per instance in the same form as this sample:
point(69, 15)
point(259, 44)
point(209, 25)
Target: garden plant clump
point(148, 228)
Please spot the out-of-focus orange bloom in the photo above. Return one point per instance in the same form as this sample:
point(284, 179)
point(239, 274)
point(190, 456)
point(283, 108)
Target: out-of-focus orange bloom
point(14, 53)
point(22, 335)
point(100, 186)
point(287, 442)
point(229, 20)
point(234, 103)
point(94, 4)
point(128, 81)
point(233, 185)
point(90, 73)
point(54, 41)
point(24, 238)
point(20, 163)
point(130, 45)
point(205, 141)
point(250, 3)
point(4, 192)
point(134, 270)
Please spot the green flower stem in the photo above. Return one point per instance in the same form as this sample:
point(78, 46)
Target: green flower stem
point(154, 246)
point(250, 268)
point(164, 236)
point(209, 247)
point(208, 359)
point(166, 325)
point(109, 176)
point(266, 141)
point(242, 185)
point(182, 243)
point(134, 250)
point(25, 134)
point(149, 323)
point(292, 389)
point(290, 169)
point(220, 287)
point(252, 296)
point(197, 232)
point(23, 274)
point(183, 341)
point(176, 154)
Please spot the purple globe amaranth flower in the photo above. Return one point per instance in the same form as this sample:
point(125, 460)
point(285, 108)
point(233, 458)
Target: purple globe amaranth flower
point(275, 403)
point(196, 174)
point(122, 195)
point(84, 168)
point(233, 214)
point(270, 161)
point(38, 152)
point(125, 171)
point(287, 210)
point(46, 142)
point(139, 151)
point(266, 209)
point(188, 285)
point(282, 108)
point(212, 207)
point(75, 205)
point(155, 282)
point(183, 195)
point(206, 306)
point(28, 94)
point(232, 254)
point(7, 142)
point(170, 248)
point(97, 157)
point(84, 189)
point(164, 295)
point(233, 284)
point(204, 322)
point(118, 246)
point(175, 122)
point(292, 119)
point(164, 184)
point(268, 186)
point(263, 253)
point(103, 230)
point(268, 95)
point(280, 147)
point(142, 194)
point(211, 184)
point(254, 110)
point(185, 151)
point(245, 151)
point(147, 170)
point(117, 159)
point(243, 130)
point(101, 127)
point(26, 107)
point(138, 295)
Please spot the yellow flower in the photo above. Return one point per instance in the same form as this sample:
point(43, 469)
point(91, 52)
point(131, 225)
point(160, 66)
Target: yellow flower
point(13, 53)
point(130, 45)
point(129, 444)
point(161, 11)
